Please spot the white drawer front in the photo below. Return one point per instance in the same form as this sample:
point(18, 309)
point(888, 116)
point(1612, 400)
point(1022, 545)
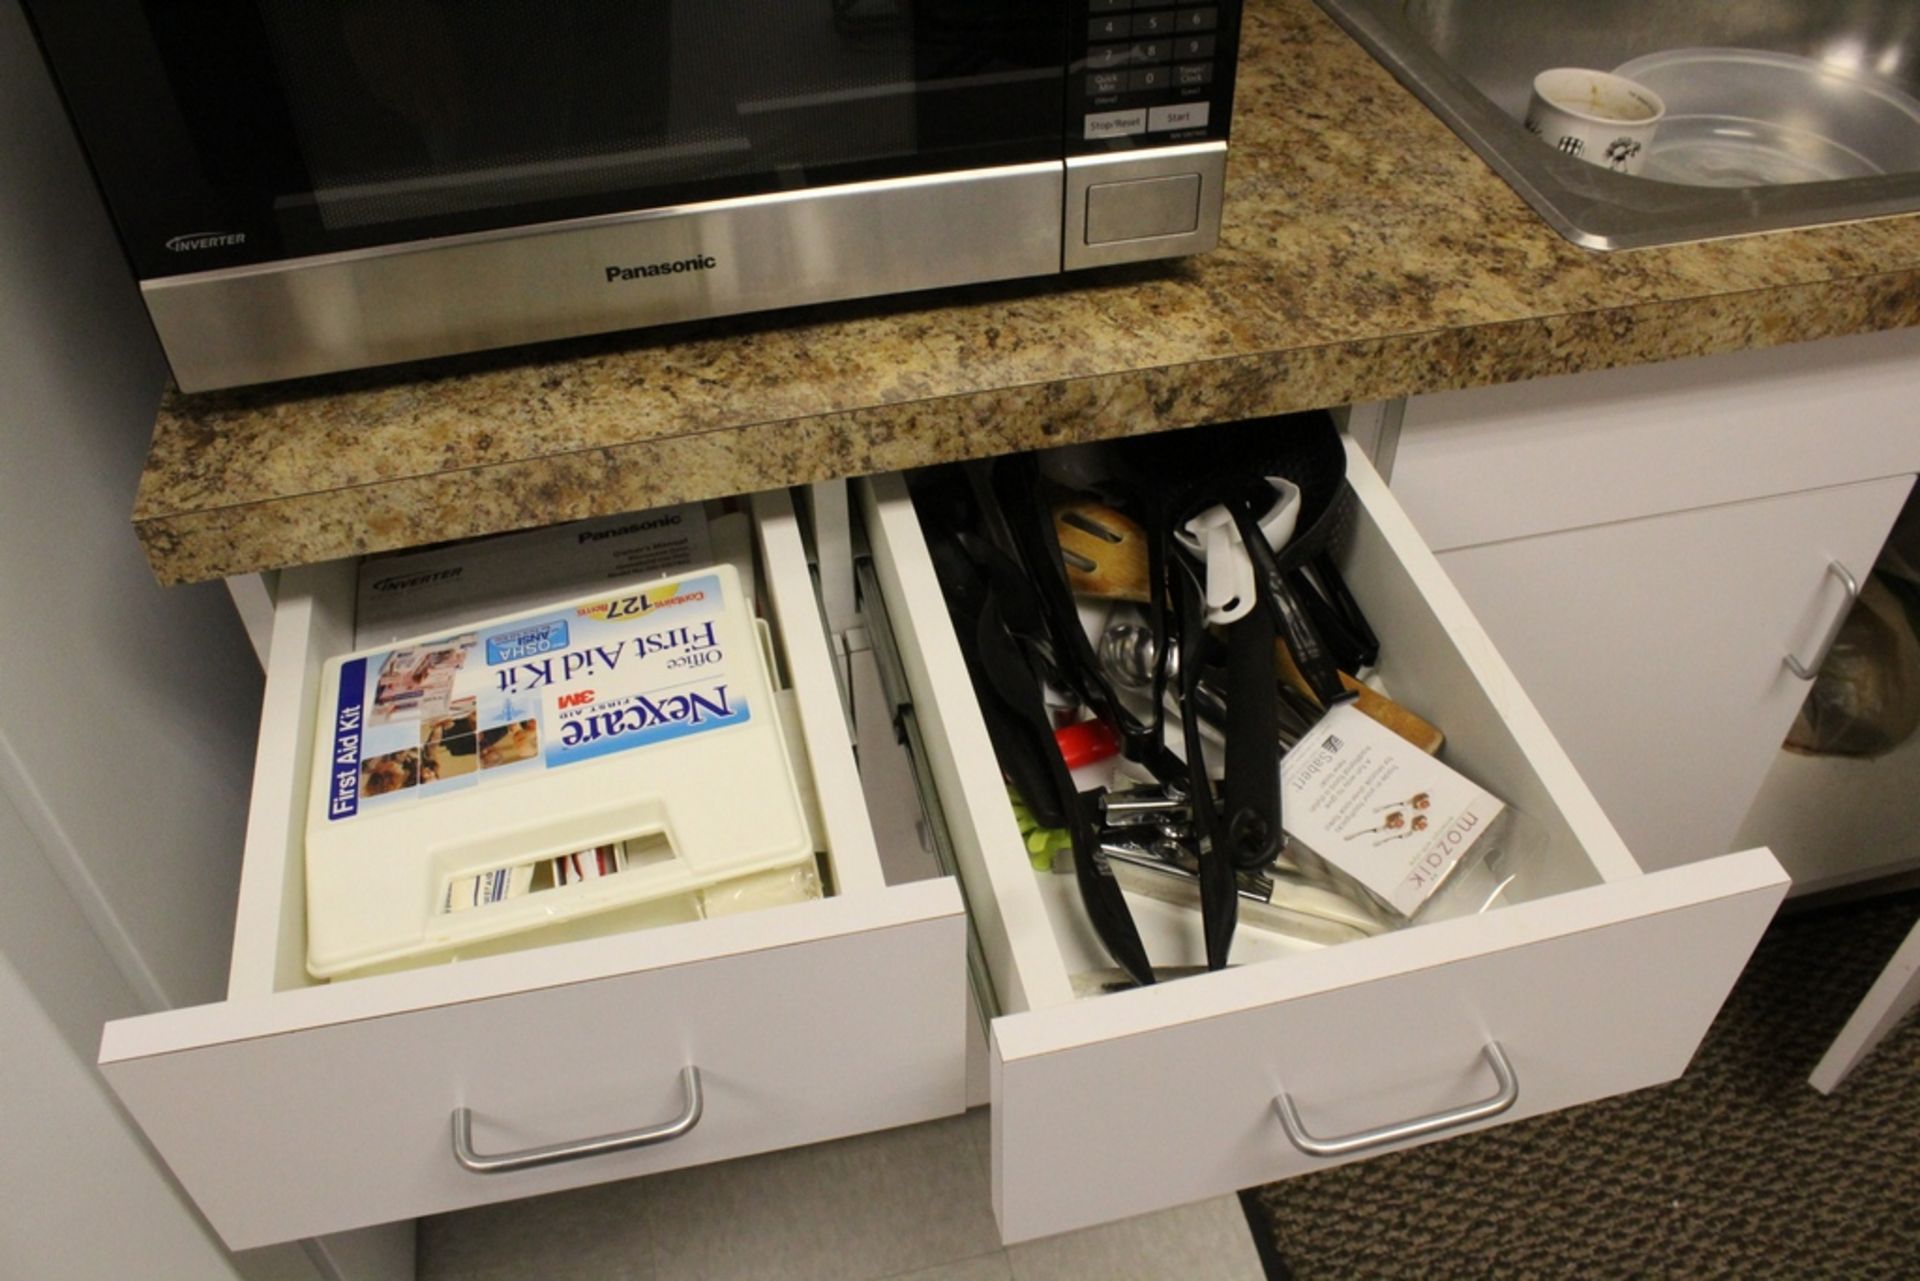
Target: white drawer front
point(314, 1112)
point(1495, 463)
point(295, 1109)
point(1598, 980)
point(1590, 994)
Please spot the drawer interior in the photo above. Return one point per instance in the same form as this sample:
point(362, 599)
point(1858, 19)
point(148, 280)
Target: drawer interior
point(314, 621)
point(1435, 658)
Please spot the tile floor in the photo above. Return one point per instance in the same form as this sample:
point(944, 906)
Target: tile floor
point(906, 1205)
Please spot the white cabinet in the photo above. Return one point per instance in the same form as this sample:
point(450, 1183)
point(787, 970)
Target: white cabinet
point(294, 1109)
point(1655, 648)
point(1497, 463)
point(1647, 546)
point(1597, 980)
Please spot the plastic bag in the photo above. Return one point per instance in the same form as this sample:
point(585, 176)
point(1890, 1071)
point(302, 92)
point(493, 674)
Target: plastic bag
point(1866, 700)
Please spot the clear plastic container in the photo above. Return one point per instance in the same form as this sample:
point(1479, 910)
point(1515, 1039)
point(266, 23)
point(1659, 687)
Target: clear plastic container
point(1752, 118)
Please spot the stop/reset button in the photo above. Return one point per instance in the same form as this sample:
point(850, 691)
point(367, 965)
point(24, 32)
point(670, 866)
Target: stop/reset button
point(1142, 208)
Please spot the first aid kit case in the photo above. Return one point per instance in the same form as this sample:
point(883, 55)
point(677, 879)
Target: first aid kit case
point(542, 769)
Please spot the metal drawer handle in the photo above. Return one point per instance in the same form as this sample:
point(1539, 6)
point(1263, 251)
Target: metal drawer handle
point(1365, 1140)
point(1807, 672)
point(528, 1158)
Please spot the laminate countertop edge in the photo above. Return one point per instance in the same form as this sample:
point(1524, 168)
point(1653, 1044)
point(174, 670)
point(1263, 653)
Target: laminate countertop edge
point(222, 540)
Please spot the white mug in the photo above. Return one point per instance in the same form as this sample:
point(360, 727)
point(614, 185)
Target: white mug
point(1603, 119)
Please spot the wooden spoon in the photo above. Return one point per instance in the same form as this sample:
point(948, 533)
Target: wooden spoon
point(1105, 551)
point(1402, 720)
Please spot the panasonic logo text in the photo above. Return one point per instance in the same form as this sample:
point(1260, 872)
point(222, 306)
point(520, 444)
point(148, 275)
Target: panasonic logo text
point(637, 527)
point(705, 262)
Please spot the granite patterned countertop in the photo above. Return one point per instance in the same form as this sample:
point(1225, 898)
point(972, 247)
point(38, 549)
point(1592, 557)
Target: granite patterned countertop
point(1367, 254)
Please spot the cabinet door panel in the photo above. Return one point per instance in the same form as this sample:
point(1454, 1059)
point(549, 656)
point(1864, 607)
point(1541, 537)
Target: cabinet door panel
point(1655, 648)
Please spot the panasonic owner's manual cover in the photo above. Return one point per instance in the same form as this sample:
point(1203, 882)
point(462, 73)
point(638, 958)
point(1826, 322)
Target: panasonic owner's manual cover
point(637, 728)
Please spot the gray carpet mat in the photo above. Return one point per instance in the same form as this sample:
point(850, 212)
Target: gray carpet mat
point(1739, 1169)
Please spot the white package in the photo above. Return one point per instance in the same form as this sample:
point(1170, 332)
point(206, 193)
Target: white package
point(1382, 817)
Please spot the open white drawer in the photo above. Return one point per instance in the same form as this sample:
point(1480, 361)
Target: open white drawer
point(1597, 980)
point(294, 1109)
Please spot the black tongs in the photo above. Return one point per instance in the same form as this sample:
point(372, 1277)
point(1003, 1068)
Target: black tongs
point(1012, 655)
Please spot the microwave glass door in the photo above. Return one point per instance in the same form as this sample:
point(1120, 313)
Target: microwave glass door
point(227, 132)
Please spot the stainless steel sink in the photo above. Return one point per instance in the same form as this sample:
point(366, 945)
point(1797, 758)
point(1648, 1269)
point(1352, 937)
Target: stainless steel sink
point(1473, 63)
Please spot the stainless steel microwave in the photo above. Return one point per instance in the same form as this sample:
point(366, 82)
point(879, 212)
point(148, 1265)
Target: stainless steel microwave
point(304, 186)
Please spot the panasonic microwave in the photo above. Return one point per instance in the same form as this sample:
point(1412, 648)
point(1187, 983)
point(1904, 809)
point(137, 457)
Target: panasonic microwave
point(304, 186)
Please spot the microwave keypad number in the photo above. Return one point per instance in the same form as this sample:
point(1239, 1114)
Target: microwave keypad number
point(1150, 66)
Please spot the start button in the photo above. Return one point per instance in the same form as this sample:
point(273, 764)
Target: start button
point(1187, 115)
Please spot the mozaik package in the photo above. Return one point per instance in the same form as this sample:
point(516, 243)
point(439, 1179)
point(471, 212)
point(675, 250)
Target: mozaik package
point(544, 767)
point(1381, 818)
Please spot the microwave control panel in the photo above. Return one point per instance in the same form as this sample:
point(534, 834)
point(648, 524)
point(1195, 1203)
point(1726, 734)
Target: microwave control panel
point(1151, 73)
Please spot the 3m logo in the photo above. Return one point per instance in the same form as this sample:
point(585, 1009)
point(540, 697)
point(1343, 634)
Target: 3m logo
point(206, 240)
